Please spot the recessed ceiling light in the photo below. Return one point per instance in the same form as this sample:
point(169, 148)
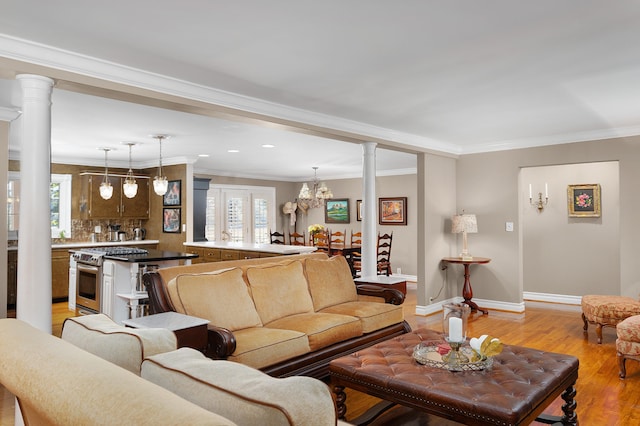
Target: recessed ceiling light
point(203, 155)
point(233, 150)
point(268, 145)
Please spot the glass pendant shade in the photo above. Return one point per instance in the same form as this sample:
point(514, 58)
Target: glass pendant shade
point(106, 190)
point(130, 187)
point(160, 182)
point(160, 185)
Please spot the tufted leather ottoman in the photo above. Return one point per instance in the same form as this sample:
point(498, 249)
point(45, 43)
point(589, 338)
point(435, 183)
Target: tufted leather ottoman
point(515, 391)
point(607, 311)
point(628, 342)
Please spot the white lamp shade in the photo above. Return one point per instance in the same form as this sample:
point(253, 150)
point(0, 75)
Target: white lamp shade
point(305, 194)
point(106, 190)
point(130, 188)
point(464, 223)
point(160, 185)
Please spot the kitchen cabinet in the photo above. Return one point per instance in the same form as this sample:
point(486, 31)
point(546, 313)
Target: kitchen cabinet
point(214, 254)
point(12, 277)
point(59, 274)
point(93, 206)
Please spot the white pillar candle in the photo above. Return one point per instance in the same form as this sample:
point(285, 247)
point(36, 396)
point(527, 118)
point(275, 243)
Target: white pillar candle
point(530, 193)
point(546, 191)
point(455, 329)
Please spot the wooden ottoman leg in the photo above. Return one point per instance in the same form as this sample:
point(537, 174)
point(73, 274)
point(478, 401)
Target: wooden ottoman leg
point(599, 332)
point(586, 323)
point(621, 365)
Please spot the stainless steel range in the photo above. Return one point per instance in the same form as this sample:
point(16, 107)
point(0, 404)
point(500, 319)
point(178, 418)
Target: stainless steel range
point(89, 275)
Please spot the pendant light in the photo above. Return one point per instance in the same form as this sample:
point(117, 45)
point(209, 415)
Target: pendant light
point(130, 187)
point(106, 190)
point(160, 183)
point(315, 198)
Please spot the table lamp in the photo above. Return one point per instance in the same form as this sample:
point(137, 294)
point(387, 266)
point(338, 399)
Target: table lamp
point(465, 223)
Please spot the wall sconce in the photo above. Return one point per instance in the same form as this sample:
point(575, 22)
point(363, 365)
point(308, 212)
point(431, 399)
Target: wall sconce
point(539, 203)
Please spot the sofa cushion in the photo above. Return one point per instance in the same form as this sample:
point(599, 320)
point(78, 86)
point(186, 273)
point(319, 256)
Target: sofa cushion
point(372, 315)
point(322, 329)
point(123, 346)
point(330, 282)
point(222, 297)
point(57, 383)
point(260, 347)
point(279, 291)
point(240, 393)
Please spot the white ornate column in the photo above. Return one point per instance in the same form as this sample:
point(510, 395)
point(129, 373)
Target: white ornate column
point(33, 303)
point(369, 210)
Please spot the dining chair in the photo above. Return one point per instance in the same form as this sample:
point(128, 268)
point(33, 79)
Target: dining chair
point(356, 256)
point(276, 237)
point(321, 241)
point(337, 242)
point(296, 239)
point(384, 254)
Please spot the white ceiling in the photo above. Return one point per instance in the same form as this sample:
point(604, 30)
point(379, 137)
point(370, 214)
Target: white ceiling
point(456, 76)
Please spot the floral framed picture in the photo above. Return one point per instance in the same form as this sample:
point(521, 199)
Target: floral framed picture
point(584, 200)
point(336, 211)
point(171, 220)
point(173, 194)
point(392, 211)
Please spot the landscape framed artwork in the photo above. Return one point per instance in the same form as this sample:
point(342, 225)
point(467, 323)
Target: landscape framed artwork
point(171, 220)
point(392, 211)
point(173, 194)
point(336, 211)
point(359, 210)
point(584, 200)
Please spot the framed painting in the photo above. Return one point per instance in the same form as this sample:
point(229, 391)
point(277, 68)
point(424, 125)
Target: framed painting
point(171, 220)
point(173, 194)
point(359, 210)
point(336, 211)
point(392, 211)
point(584, 200)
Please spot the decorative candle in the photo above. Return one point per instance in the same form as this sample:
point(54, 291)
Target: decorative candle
point(530, 193)
point(455, 329)
point(546, 191)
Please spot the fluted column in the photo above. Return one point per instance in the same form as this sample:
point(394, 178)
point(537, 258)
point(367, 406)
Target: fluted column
point(369, 214)
point(33, 303)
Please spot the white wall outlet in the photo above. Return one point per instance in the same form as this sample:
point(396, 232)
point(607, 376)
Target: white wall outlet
point(509, 227)
point(184, 227)
point(399, 271)
point(97, 229)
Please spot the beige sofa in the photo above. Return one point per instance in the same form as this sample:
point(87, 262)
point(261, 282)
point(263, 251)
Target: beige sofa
point(58, 383)
point(287, 316)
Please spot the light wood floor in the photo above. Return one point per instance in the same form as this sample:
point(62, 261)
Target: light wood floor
point(602, 398)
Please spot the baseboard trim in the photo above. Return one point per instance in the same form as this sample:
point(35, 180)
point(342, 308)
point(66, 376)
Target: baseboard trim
point(553, 298)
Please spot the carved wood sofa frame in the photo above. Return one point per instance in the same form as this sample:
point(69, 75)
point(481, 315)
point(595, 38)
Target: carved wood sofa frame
point(222, 343)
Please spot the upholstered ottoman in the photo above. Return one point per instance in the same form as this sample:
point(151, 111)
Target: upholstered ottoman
point(628, 342)
point(607, 311)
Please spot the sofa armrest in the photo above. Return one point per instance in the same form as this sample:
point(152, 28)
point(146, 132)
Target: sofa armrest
point(158, 298)
point(390, 295)
point(221, 343)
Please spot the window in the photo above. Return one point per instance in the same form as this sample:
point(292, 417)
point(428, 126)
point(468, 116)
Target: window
point(240, 213)
point(59, 205)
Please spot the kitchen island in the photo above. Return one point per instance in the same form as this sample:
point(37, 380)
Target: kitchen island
point(216, 251)
point(109, 279)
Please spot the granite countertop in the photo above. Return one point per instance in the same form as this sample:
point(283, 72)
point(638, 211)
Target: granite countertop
point(265, 248)
point(82, 244)
point(151, 256)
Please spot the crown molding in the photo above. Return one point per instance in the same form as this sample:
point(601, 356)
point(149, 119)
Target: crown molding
point(9, 114)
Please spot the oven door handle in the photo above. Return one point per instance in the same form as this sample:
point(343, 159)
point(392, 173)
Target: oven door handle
point(87, 268)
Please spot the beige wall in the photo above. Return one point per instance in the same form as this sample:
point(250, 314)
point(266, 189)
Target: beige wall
point(564, 255)
point(487, 185)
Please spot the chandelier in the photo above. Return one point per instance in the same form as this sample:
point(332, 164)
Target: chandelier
point(160, 183)
point(315, 197)
point(130, 187)
point(106, 190)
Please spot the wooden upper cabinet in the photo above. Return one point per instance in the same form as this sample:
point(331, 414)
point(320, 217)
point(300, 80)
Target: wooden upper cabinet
point(93, 206)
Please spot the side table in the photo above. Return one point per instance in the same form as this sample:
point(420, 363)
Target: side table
point(467, 291)
point(190, 331)
point(385, 281)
